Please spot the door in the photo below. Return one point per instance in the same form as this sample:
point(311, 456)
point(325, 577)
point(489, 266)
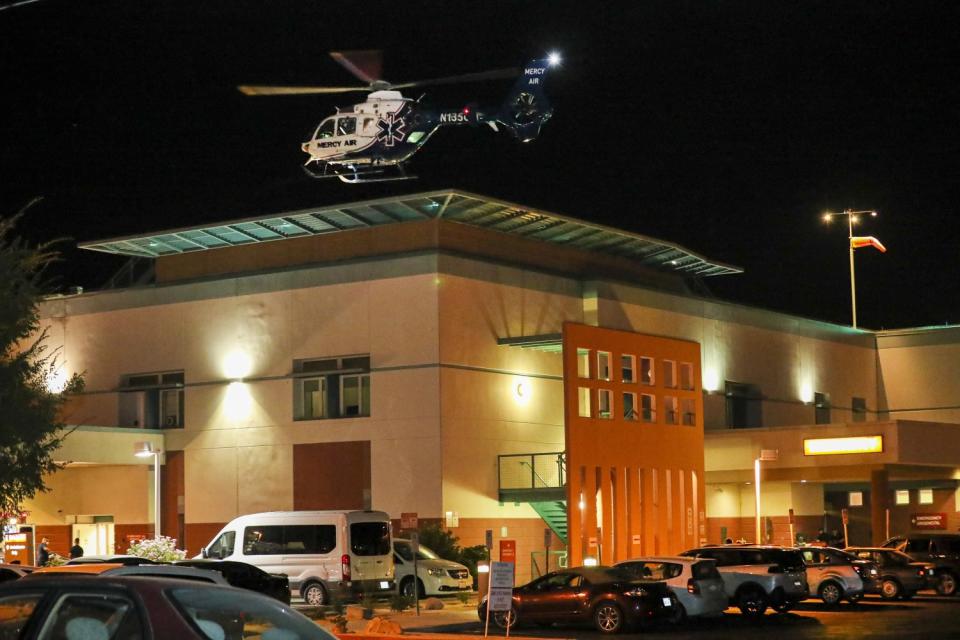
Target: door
point(556, 596)
point(96, 538)
point(816, 567)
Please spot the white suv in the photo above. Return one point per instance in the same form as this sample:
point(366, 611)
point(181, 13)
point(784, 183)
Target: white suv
point(757, 577)
point(435, 576)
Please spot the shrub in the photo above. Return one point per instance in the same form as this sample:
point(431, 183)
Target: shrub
point(162, 549)
point(463, 597)
point(400, 602)
point(56, 560)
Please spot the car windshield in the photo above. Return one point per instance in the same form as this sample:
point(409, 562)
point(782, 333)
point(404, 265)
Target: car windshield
point(231, 613)
point(405, 551)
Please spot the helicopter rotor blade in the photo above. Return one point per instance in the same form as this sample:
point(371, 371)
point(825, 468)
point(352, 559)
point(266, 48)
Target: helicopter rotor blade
point(464, 77)
point(266, 90)
point(365, 65)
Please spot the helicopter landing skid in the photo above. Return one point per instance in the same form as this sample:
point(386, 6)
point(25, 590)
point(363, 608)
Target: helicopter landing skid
point(354, 174)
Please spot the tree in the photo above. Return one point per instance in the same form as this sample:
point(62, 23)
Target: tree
point(32, 388)
point(446, 545)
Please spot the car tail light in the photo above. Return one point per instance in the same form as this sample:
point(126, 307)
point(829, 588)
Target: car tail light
point(345, 566)
point(858, 569)
point(921, 572)
point(693, 587)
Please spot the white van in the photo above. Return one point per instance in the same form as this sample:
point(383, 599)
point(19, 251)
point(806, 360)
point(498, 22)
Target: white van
point(325, 554)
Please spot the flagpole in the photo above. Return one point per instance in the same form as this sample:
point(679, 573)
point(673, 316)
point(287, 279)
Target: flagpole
point(852, 218)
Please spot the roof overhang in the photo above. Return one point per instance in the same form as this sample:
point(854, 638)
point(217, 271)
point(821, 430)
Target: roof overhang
point(452, 205)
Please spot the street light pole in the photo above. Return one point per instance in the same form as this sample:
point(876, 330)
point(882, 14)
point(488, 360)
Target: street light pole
point(851, 218)
point(144, 450)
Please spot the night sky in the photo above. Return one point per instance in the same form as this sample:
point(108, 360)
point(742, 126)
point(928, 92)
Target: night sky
point(726, 127)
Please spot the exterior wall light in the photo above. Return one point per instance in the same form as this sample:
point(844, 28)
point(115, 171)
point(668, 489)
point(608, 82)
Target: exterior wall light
point(145, 450)
point(237, 365)
point(840, 446)
point(806, 392)
point(711, 379)
point(590, 561)
point(57, 381)
point(522, 391)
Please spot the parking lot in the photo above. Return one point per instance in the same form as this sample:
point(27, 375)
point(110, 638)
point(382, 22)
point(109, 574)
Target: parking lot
point(926, 616)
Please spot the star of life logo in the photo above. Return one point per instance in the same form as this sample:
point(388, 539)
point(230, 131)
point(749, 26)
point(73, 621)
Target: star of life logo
point(392, 128)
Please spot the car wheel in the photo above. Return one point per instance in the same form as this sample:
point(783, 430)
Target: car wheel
point(752, 603)
point(314, 594)
point(407, 588)
point(947, 584)
point(830, 593)
point(608, 618)
point(679, 614)
point(890, 589)
point(504, 619)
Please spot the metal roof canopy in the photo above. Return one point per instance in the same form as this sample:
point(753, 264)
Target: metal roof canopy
point(455, 205)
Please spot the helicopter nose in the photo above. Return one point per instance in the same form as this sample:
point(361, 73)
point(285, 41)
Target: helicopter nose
point(306, 147)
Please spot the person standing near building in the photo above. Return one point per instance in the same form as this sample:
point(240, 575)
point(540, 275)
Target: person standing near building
point(43, 553)
point(76, 551)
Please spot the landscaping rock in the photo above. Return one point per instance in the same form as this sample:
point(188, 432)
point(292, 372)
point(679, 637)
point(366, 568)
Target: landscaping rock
point(432, 604)
point(354, 612)
point(380, 625)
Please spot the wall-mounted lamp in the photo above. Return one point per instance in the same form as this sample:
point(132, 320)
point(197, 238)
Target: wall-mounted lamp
point(145, 450)
point(237, 365)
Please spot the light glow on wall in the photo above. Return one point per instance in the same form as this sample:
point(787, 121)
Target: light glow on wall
point(522, 390)
point(237, 365)
point(711, 379)
point(840, 446)
point(806, 391)
point(238, 403)
point(57, 381)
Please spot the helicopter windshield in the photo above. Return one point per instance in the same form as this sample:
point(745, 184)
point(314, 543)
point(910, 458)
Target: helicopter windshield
point(325, 130)
point(346, 126)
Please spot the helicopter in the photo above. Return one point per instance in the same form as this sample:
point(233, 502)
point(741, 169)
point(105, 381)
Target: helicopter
point(371, 141)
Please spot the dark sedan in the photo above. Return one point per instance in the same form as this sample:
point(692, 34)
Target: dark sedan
point(610, 598)
point(246, 576)
point(75, 607)
point(900, 576)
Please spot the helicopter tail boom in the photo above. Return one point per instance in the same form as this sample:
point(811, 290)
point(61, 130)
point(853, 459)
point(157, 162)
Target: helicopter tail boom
point(527, 107)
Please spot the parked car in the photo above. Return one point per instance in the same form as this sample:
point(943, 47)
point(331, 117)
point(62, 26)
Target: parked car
point(612, 599)
point(112, 570)
point(14, 571)
point(245, 576)
point(833, 574)
point(900, 576)
point(695, 582)
point(112, 559)
point(83, 606)
point(435, 576)
point(940, 549)
point(326, 554)
point(757, 577)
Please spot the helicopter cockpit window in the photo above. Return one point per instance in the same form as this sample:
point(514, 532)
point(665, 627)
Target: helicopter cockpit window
point(325, 130)
point(346, 126)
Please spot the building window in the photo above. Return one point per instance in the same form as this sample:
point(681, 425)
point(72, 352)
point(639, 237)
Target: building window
point(152, 400)
point(859, 407)
point(604, 403)
point(648, 407)
point(925, 496)
point(646, 371)
point(671, 410)
point(583, 363)
point(583, 402)
point(821, 404)
point(630, 407)
point(744, 405)
point(686, 375)
point(688, 410)
point(603, 365)
point(855, 499)
point(331, 388)
point(628, 368)
point(901, 496)
point(670, 374)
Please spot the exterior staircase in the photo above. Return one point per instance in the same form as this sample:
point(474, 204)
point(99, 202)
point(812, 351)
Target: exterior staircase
point(554, 513)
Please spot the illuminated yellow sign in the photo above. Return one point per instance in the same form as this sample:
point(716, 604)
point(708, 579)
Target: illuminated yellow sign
point(837, 446)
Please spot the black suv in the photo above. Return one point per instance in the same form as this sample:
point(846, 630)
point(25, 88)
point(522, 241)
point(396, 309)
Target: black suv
point(942, 550)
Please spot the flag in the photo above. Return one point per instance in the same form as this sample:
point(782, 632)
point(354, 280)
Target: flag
point(867, 241)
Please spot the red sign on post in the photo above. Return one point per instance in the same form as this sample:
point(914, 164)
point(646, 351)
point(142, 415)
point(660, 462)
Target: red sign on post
point(792, 518)
point(937, 521)
point(846, 516)
point(508, 551)
point(408, 520)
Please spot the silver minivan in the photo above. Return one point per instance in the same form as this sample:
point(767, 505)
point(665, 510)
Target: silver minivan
point(326, 555)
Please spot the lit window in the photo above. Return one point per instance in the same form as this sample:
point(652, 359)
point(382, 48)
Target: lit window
point(603, 365)
point(646, 371)
point(583, 363)
point(151, 400)
point(604, 403)
point(902, 496)
point(670, 374)
point(628, 368)
point(331, 388)
point(630, 407)
point(925, 496)
point(855, 499)
point(648, 407)
point(688, 409)
point(671, 410)
point(583, 402)
point(686, 375)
